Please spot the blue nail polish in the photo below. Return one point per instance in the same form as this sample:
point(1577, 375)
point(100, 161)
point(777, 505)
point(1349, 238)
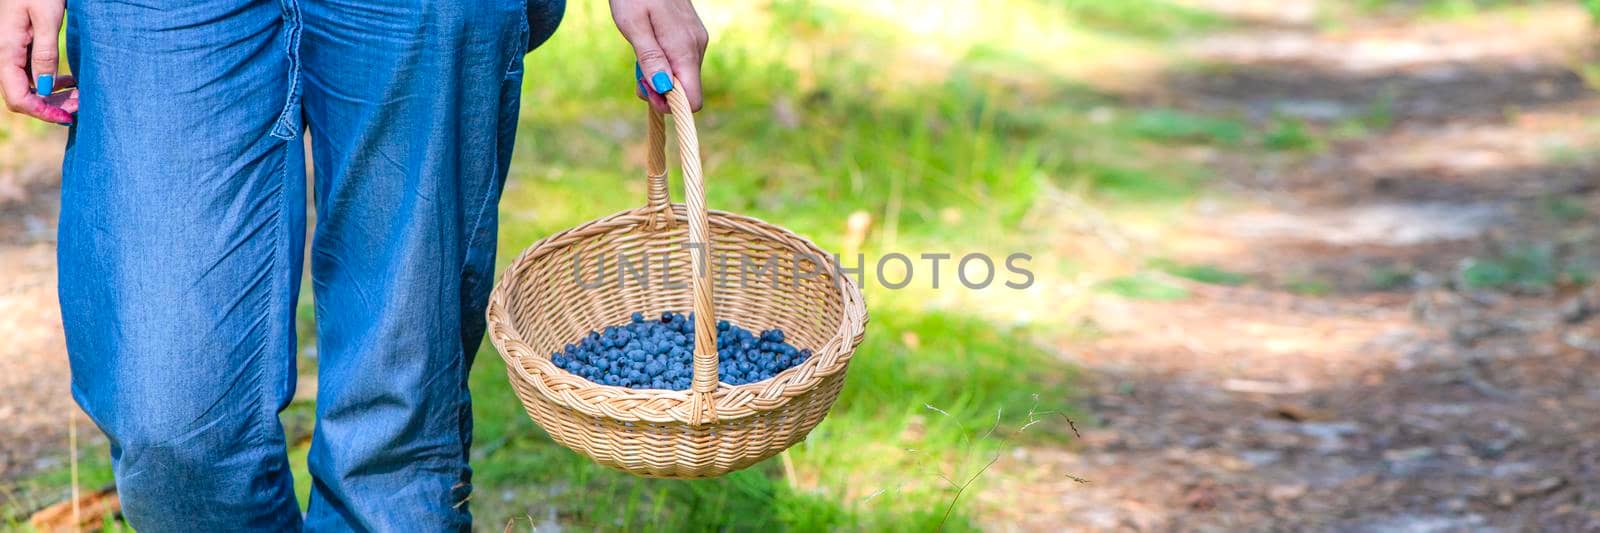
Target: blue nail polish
point(46, 84)
point(661, 82)
point(637, 74)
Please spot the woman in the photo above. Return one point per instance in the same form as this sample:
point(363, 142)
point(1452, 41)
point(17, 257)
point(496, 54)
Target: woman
point(183, 224)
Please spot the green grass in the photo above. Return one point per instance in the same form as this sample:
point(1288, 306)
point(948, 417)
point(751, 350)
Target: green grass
point(1448, 9)
point(1564, 208)
point(1144, 287)
point(24, 496)
point(1528, 267)
point(1141, 17)
point(1289, 134)
point(1281, 133)
point(1579, 273)
point(1202, 273)
point(1390, 277)
point(1309, 287)
point(1173, 125)
point(1378, 117)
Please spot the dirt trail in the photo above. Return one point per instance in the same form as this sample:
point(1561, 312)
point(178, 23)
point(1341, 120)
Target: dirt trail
point(1393, 402)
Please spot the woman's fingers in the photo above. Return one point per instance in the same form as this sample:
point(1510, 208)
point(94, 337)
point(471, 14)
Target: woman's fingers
point(633, 19)
point(19, 29)
point(642, 89)
point(689, 80)
point(66, 93)
point(684, 55)
point(669, 42)
point(66, 100)
point(20, 97)
point(683, 38)
point(46, 24)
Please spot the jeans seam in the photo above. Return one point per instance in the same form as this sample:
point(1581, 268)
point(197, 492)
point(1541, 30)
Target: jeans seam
point(267, 409)
point(489, 191)
point(286, 128)
point(515, 64)
point(477, 224)
point(464, 411)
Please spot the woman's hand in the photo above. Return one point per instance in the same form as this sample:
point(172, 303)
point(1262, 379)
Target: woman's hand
point(667, 36)
point(29, 32)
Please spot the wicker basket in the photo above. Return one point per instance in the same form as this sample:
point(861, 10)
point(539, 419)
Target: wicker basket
point(713, 428)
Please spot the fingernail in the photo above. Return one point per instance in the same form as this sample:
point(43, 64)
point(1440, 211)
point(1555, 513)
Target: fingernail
point(46, 84)
point(637, 74)
point(639, 87)
point(662, 82)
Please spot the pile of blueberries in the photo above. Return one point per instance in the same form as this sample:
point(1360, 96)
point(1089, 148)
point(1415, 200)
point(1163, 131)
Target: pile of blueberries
point(659, 354)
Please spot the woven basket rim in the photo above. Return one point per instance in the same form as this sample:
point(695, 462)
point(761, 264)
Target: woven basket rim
point(660, 405)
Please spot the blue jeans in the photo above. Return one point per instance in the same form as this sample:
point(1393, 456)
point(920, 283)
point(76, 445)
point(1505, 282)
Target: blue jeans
point(182, 238)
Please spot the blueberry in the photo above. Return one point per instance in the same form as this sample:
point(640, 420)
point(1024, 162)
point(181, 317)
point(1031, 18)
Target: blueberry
point(659, 353)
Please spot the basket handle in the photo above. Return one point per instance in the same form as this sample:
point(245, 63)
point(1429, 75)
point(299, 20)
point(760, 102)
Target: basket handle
point(705, 323)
